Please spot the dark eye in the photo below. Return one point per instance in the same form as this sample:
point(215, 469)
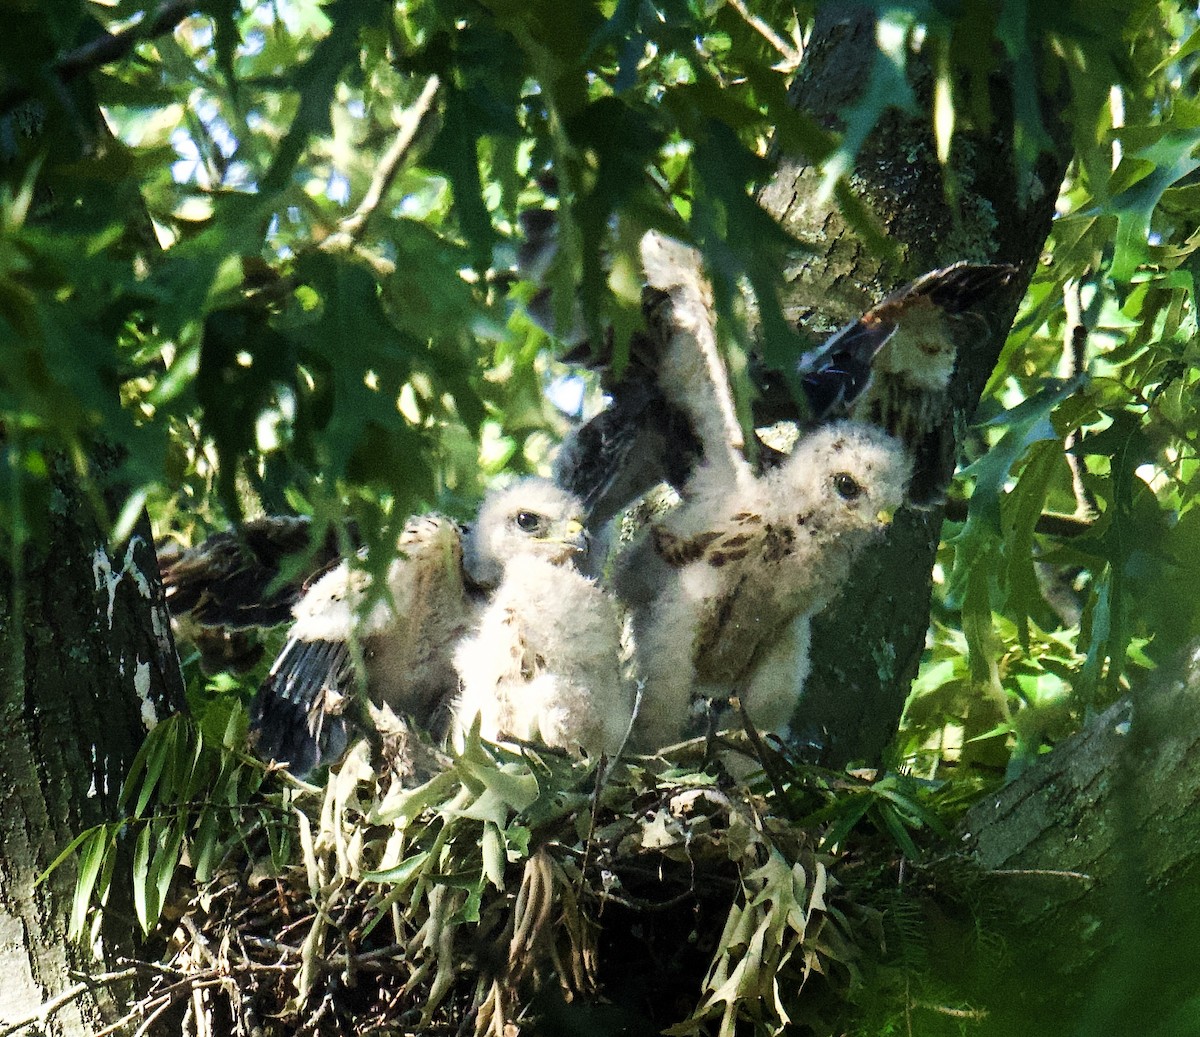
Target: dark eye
point(527, 521)
point(846, 487)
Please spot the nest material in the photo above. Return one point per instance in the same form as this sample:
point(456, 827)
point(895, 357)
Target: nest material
point(513, 886)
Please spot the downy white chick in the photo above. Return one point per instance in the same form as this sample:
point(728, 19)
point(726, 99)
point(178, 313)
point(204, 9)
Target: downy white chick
point(542, 662)
point(722, 589)
point(438, 585)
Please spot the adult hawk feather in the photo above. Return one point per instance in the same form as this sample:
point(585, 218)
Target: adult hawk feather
point(892, 367)
point(721, 590)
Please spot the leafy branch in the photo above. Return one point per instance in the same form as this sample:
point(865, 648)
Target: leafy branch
point(105, 49)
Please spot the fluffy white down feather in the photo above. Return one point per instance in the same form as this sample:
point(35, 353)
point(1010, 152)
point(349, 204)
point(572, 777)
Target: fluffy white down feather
point(403, 636)
point(722, 590)
point(436, 594)
point(542, 664)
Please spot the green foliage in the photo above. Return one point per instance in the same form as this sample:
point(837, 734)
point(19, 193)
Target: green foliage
point(1057, 619)
point(269, 256)
point(506, 865)
point(189, 801)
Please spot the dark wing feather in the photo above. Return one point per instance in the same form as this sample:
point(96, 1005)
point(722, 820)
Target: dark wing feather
point(296, 715)
point(836, 374)
point(236, 578)
point(733, 632)
point(956, 288)
point(638, 441)
point(717, 547)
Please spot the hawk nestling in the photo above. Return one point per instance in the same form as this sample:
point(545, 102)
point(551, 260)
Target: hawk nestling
point(402, 641)
point(542, 663)
point(437, 587)
point(722, 588)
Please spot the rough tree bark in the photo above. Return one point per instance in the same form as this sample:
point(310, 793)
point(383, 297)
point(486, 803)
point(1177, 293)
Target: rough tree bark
point(86, 665)
point(1090, 865)
point(867, 646)
point(87, 662)
point(1089, 860)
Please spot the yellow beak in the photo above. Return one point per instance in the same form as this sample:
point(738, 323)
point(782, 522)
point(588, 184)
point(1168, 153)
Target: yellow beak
point(571, 534)
point(885, 516)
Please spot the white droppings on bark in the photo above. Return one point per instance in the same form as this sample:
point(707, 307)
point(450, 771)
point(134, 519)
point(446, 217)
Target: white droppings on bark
point(141, 687)
point(109, 579)
point(106, 579)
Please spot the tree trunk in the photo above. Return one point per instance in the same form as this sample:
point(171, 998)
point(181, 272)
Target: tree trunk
point(1090, 867)
point(868, 644)
point(86, 666)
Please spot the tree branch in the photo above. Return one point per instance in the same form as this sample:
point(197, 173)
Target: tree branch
point(416, 118)
point(43, 1012)
point(1051, 523)
point(106, 48)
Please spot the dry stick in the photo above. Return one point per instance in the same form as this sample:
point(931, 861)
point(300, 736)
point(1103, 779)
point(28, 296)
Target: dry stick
point(603, 771)
point(1050, 523)
point(346, 237)
point(1074, 359)
point(791, 54)
point(48, 1008)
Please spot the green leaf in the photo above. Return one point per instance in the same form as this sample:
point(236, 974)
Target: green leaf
point(95, 845)
point(142, 880)
point(513, 784)
point(402, 874)
point(410, 804)
point(316, 82)
point(455, 152)
point(204, 845)
point(1026, 424)
point(1171, 159)
point(161, 752)
point(163, 866)
point(494, 856)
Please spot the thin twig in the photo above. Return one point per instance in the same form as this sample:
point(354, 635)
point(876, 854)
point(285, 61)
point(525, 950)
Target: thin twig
point(760, 750)
point(48, 1008)
point(1050, 523)
point(1075, 337)
point(603, 771)
point(791, 54)
point(974, 1014)
point(149, 1020)
point(414, 119)
point(1045, 872)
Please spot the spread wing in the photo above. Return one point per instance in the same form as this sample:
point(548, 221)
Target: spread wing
point(233, 579)
point(404, 636)
point(297, 714)
point(836, 375)
point(671, 402)
point(639, 440)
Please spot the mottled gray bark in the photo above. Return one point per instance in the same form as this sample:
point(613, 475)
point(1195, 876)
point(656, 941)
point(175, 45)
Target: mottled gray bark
point(1090, 861)
point(867, 646)
point(86, 663)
